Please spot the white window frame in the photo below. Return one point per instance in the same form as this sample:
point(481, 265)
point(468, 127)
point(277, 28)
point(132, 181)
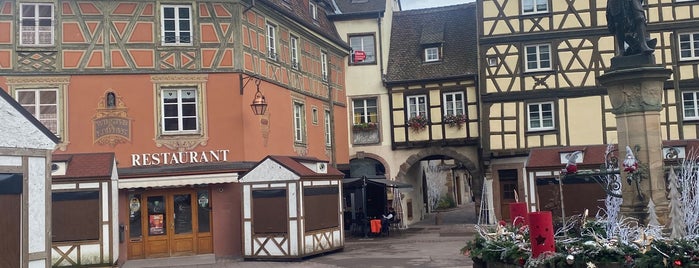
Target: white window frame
point(271, 41)
point(455, 106)
point(540, 116)
point(180, 117)
point(179, 41)
point(538, 58)
point(362, 113)
point(294, 50)
point(328, 132)
point(693, 102)
point(313, 9)
point(299, 114)
point(36, 30)
point(35, 108)
point(324, 65)
point(534, 4)
point(691, 46)
point(417, 105)
point(431, 54)
point(357, 43)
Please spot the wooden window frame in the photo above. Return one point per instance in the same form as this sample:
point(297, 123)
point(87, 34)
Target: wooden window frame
point(534, 7)
point(539, 55)
point(454, 109)
point(179, 39)
point(36, 28)
point(361, 38)
point(693, 50)
point(419, 109)
point(540, 114)
point(694, 102)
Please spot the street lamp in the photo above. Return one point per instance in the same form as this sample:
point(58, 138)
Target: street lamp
point(259, 104)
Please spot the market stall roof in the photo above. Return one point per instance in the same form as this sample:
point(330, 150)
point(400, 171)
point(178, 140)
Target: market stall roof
point(380, 179)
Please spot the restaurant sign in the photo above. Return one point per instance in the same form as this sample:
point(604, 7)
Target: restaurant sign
point(173, 158)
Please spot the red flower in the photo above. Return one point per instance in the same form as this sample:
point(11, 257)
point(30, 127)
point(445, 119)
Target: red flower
point(521, 261)
point(677, 263)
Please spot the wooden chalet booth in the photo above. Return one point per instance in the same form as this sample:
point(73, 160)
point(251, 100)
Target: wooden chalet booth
point(84, 210)
point(291, 208)
point(25, 179)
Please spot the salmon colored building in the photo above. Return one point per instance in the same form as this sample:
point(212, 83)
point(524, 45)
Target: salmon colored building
point(168, 87)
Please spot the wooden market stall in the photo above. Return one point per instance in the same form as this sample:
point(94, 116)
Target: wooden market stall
point(25, 151)
point(292, 208)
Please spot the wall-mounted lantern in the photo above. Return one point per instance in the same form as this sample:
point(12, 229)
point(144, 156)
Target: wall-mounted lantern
point(259, 104)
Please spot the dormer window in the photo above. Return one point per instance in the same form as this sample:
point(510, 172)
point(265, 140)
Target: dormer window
point(432, 54)
point(313, 10)
point(431, 41)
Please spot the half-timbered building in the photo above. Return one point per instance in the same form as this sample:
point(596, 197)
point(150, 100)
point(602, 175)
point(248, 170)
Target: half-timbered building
point(431, 80)
point(167, 87)
point(539, 64)
point(366, 27)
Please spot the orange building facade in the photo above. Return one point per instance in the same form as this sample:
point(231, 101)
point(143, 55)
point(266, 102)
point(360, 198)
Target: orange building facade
point(168, 88)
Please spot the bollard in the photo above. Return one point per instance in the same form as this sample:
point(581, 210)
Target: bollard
point(438, 219)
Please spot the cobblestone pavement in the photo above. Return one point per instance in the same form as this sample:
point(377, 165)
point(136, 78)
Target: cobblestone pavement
point(424, 244)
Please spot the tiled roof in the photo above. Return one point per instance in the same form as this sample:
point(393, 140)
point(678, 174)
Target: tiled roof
point(300, 11)
point(355, 6)
point(452, 26)
point(294, 163)
point(87, 165)
point(549, 157)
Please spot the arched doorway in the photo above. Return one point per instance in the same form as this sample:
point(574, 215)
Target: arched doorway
point(442, 180)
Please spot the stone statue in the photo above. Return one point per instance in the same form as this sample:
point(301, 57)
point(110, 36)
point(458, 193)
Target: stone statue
point(626, 19)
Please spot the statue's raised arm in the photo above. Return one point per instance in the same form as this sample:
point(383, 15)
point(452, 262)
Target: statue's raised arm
point(626, 19)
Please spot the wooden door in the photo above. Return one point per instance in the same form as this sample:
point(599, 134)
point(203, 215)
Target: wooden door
point(170, 224)
point(183, 220)
point(508, 187)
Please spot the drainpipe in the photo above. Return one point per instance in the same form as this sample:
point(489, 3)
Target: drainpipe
point(378, 22)
point(333, 158)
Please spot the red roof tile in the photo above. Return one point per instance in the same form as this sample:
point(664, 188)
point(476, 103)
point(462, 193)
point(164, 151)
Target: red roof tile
point(295, 164)
point(87, 165)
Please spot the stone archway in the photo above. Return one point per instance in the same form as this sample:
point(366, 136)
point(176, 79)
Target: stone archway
point(468, 164)
point(418, 202)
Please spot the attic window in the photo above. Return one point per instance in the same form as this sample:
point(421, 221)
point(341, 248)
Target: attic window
point(432, 54)
point(313, 9)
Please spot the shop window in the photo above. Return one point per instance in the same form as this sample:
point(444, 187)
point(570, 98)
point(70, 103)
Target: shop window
point(269, 213)
point(321, 208)
point(75, 216)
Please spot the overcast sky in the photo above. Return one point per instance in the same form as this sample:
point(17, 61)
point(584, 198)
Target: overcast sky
point(416, 4)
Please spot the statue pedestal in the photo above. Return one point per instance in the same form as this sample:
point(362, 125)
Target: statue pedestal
point(633, 61)
point(636, 97)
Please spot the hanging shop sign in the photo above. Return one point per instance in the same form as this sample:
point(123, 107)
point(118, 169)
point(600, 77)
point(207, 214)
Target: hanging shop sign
point(156, 159)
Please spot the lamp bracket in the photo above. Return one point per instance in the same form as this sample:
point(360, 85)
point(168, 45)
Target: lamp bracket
point(245, 80)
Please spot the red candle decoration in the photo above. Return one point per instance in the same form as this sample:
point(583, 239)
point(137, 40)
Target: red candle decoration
point(518, 214)
point(541, 232)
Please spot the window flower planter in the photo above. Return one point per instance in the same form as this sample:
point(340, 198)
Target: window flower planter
point(455, 120)
point(417, 123)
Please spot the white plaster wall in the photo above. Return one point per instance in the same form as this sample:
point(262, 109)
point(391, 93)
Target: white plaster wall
point(37, 204)
point(115, 215)
point(37, 264)
point(14, 125)
point(12, 161)
point(269, 170)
